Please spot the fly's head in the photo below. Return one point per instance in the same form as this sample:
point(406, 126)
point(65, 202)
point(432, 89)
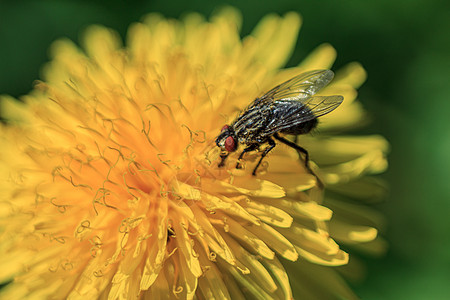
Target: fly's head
point(227, 140)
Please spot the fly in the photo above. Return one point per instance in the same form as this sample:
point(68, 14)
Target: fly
point(289, 108)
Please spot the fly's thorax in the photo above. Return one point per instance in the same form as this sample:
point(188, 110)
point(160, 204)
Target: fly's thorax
point(249, 124)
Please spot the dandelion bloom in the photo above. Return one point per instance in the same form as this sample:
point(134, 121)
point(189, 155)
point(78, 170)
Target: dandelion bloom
point(109, 180)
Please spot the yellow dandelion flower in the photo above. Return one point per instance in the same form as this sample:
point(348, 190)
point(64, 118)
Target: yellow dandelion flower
point(110, 185)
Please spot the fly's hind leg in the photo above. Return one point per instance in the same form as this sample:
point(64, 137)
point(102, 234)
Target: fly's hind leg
point(301, 151)
point(267, 150)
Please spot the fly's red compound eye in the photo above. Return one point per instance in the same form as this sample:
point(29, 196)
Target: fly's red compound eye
point(225, 127)
point(230, 144)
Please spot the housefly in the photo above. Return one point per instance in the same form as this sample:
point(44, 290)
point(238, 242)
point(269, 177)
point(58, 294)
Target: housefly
point(289, 108)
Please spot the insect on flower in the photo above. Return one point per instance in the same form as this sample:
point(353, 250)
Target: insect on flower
point(289, 108)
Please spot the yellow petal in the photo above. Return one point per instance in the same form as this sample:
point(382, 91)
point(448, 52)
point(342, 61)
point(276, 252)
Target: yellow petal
point(185, 244)
point(213, 238)
point(186, 279)
point(352, 74)
point(279, 273)
point(367, 189)
point(332, 150)
point(233, 208)
point(213, 283)
point(355, 213)
point(275, 241)
point(157, 250)
point(187, 191)
point(249, 285)
point(276, 37)
point(376, 248)
point(249, 239)
point(302, 209)
point(331, 285)
point(372, 162)
point(244, 185)
point(269, 214)
point(321, 57)
point(349, 233)
point(255, 271)
point(163, 285)
point(13, 110)
point(100, 43)
point(316, 247)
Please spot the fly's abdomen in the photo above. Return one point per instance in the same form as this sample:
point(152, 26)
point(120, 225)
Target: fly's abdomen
point(301, 128)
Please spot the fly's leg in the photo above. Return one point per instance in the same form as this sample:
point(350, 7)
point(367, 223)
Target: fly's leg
point(223, 157)
point(248, 149)
point(267, 150)
point(300, 151)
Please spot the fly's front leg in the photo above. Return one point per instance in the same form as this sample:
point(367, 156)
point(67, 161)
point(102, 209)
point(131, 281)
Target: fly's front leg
point(223, 157)
point(301, 151)
point(248, 149)
point(267, 150)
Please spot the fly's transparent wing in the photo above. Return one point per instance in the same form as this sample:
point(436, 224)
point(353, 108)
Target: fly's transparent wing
point(321, 105)
point(290, 113)
point(300, 87)
point(287, 105)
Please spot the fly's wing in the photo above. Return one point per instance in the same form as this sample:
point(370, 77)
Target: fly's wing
point(321, 105)
point(300, 87)
point(290, 113)
point(289, 104)
point(293, 102)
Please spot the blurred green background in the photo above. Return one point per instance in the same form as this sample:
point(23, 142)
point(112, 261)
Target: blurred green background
point(405, 47)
